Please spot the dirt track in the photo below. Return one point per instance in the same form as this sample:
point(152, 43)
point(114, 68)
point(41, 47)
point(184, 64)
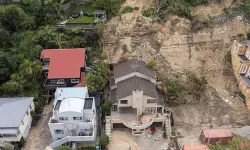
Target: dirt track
point(39, 137)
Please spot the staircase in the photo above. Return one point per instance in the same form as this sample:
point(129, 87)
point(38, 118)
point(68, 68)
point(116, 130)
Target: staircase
point(168, 127)
point(108, 126)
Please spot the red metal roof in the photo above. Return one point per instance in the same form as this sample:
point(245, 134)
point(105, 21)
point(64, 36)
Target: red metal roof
point(82, 83)
point(64, 63)
point(217, 133)
point(195, 147)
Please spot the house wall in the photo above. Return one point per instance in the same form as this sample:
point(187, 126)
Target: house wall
point(138, 100)
point(134, 74)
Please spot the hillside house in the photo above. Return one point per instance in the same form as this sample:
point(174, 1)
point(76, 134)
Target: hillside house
point(74, 117)
point(212, 136)
point(241, 67)
point(15, 118)
point(63, 67)
point(137, 103)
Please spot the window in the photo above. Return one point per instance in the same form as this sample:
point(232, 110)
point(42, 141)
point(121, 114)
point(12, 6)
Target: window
point(22, 122)
point(46, 74)
point(30, 107)
point(151, 101)
point(53, 81)
point(123, 101)
point(46, 61)
point(9, 135)
point(59, 132)
point(59, 138)
point(27, 112)
point(243, 69)
point(114, 107)
point(60, 81)
point(63, 118)
point(77, 118)
point(75, 81)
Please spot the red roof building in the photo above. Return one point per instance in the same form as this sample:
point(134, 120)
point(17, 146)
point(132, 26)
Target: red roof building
point(64, 67)
point(195, 147)
point(211, 136)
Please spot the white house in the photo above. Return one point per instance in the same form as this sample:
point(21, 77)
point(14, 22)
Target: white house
point(15, 118)
point(74, 117)
point(137, 103)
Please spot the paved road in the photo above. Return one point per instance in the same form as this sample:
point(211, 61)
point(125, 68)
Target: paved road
point(39, 137)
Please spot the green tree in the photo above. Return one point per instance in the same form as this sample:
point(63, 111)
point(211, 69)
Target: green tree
point(11, 87)
point(79, 41)
point(97, 79)
point(104, 140)
point(111, 7)
point(151, 64)
point(107, 107)
point(171, 89)
point(237, 143)
point(64, 148)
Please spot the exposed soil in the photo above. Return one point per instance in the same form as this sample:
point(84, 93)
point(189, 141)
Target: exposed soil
point(178, 51)
point(39, 137)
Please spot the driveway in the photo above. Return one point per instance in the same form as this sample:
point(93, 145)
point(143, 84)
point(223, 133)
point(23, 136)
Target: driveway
point(122, 139)
point(39, 137)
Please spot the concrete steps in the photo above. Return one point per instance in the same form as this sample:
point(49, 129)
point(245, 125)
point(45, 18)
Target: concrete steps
point(168, 127)
point(108, 126)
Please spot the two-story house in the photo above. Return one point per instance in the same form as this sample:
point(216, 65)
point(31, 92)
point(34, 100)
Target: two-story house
point(63, 67)
point(74, 117)
point(15, 118)
point(241, 66)
point(137, 103)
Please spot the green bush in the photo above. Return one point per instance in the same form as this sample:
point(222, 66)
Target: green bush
point(104, 140)
point(150, 12)
point(198, 85)
point(151, 64)
point(241, 37)
point(127, 9)
point(107, 107)
point(136, 8)
point(196, 2)
point(171, 89)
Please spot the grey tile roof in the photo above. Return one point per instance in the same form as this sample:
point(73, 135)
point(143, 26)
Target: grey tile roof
point(133, 65)
point(13, 110)
point(125, 87)
point(243, 58)
point(113, 96)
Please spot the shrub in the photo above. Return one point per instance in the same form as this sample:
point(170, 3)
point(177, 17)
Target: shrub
point(104, 140)
point(150, 12)
point(198, 85)
point(171, 89)
point(136, 8)
point(124, 48)
point(151, 64)
point(127, 9)
point(196, 2)
point(107, 107)
point(241, 37)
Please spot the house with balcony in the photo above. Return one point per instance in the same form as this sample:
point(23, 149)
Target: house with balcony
point(15, 118)
point(137, 103)
point(241, 66)
point(63, 67)
point(74, 117)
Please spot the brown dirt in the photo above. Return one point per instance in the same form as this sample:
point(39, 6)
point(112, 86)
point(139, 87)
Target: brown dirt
point(178, 50)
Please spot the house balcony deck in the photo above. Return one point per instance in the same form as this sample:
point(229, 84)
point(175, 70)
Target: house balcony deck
point(131, 120)
point(45, 67)
point(48, 85)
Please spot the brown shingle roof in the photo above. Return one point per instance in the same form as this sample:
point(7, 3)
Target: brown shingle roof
point(125, 87)
point(133, 65)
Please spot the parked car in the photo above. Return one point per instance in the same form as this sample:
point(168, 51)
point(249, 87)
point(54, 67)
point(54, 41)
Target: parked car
point(75, 15)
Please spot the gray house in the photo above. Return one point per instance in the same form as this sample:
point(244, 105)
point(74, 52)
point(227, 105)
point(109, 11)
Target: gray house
point(15, 118)
point(137, 103)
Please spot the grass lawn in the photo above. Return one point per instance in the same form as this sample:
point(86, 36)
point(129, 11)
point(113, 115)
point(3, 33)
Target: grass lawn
point(88, 10)
point(82, 19)
point(88, 148)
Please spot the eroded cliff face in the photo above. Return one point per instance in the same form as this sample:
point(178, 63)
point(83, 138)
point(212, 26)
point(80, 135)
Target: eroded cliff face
point(178, 50)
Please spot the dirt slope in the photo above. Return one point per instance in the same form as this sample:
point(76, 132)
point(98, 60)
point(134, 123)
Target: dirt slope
point(177, 51)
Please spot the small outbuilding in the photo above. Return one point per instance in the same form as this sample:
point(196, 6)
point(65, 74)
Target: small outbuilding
point(211, 136)
point(195, 147)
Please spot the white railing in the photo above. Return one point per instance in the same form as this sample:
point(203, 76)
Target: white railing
point(132, 126)
point(73, 139)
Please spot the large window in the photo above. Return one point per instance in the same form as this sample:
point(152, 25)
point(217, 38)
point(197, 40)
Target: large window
point(63, 118)
point(243, 69)
point(53, 81)
point(150, 110)
point(151, 101)
point(9, 135)
point(59, 131)
point(75, 81)
point(77, 118)
point(123, 101)
point(46, 61)
point(60, 81)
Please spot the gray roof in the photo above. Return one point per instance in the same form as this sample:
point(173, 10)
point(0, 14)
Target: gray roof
point(125, 87)
point(133, 65)
point(243, 58)
point(13, 110)
point(113, 96)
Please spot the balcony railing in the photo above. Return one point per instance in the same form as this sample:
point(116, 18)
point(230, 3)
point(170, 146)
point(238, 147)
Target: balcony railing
point(139, 126)
point(47, 84)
